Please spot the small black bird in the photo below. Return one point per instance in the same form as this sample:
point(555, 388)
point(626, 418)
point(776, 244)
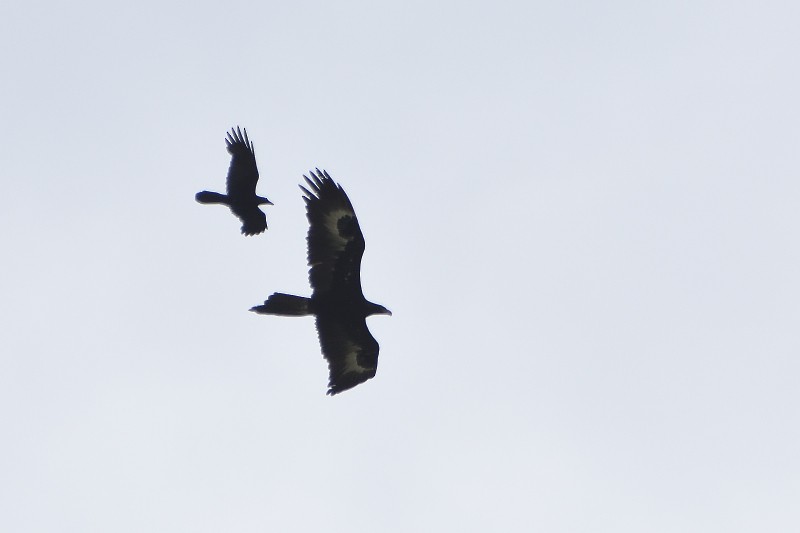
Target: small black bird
point(242, 180)
point(335, 248)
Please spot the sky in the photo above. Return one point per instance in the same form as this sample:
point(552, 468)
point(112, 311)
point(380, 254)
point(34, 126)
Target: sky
point(583, 216)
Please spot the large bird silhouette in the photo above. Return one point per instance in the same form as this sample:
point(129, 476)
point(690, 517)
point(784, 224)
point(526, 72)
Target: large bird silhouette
point(335, 248)
point(241, 187)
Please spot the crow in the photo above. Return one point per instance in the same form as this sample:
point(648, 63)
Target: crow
point(242, 179)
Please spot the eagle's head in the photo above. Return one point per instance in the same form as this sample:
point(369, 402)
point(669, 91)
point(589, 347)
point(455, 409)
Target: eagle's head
point(376, 309)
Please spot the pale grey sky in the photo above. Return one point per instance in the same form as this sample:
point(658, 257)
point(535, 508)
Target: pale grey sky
point(584, 217)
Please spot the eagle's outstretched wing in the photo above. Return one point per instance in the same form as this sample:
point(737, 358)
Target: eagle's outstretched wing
point(349, 348)
point(335, 241)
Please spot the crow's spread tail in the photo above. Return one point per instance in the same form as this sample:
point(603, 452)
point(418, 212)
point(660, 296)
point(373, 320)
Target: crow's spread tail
point(208, 197)
point(284, 305)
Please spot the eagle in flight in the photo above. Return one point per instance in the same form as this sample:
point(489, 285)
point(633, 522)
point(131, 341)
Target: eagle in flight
point(242, 179)
point(335, 248)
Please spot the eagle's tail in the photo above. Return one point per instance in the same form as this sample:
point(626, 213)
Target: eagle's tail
point(208, 197)
point(285, 305)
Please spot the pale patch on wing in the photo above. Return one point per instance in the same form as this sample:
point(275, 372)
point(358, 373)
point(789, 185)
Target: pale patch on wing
point(331, 221)
point(351, 352)
point(351, 359)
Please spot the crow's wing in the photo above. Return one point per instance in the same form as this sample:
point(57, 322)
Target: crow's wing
point(254, 221)
point(243, 172)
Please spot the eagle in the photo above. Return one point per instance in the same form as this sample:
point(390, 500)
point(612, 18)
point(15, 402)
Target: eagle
point(242, 179)
point(335, 248)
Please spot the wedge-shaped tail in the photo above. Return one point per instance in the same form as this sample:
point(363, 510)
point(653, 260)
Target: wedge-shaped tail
point(284, 305)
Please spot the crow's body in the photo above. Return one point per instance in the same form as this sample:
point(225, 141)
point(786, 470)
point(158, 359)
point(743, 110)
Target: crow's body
point(241, 195)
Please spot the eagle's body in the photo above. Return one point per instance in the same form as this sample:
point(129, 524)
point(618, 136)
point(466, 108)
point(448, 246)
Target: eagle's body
point(335, 248)
point(241, 195)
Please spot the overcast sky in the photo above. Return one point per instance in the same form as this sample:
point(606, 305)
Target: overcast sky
point(583, 215)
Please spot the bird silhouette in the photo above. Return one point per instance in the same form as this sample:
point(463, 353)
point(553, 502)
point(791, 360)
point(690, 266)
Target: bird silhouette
point(335, 248)
point(241, 195)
